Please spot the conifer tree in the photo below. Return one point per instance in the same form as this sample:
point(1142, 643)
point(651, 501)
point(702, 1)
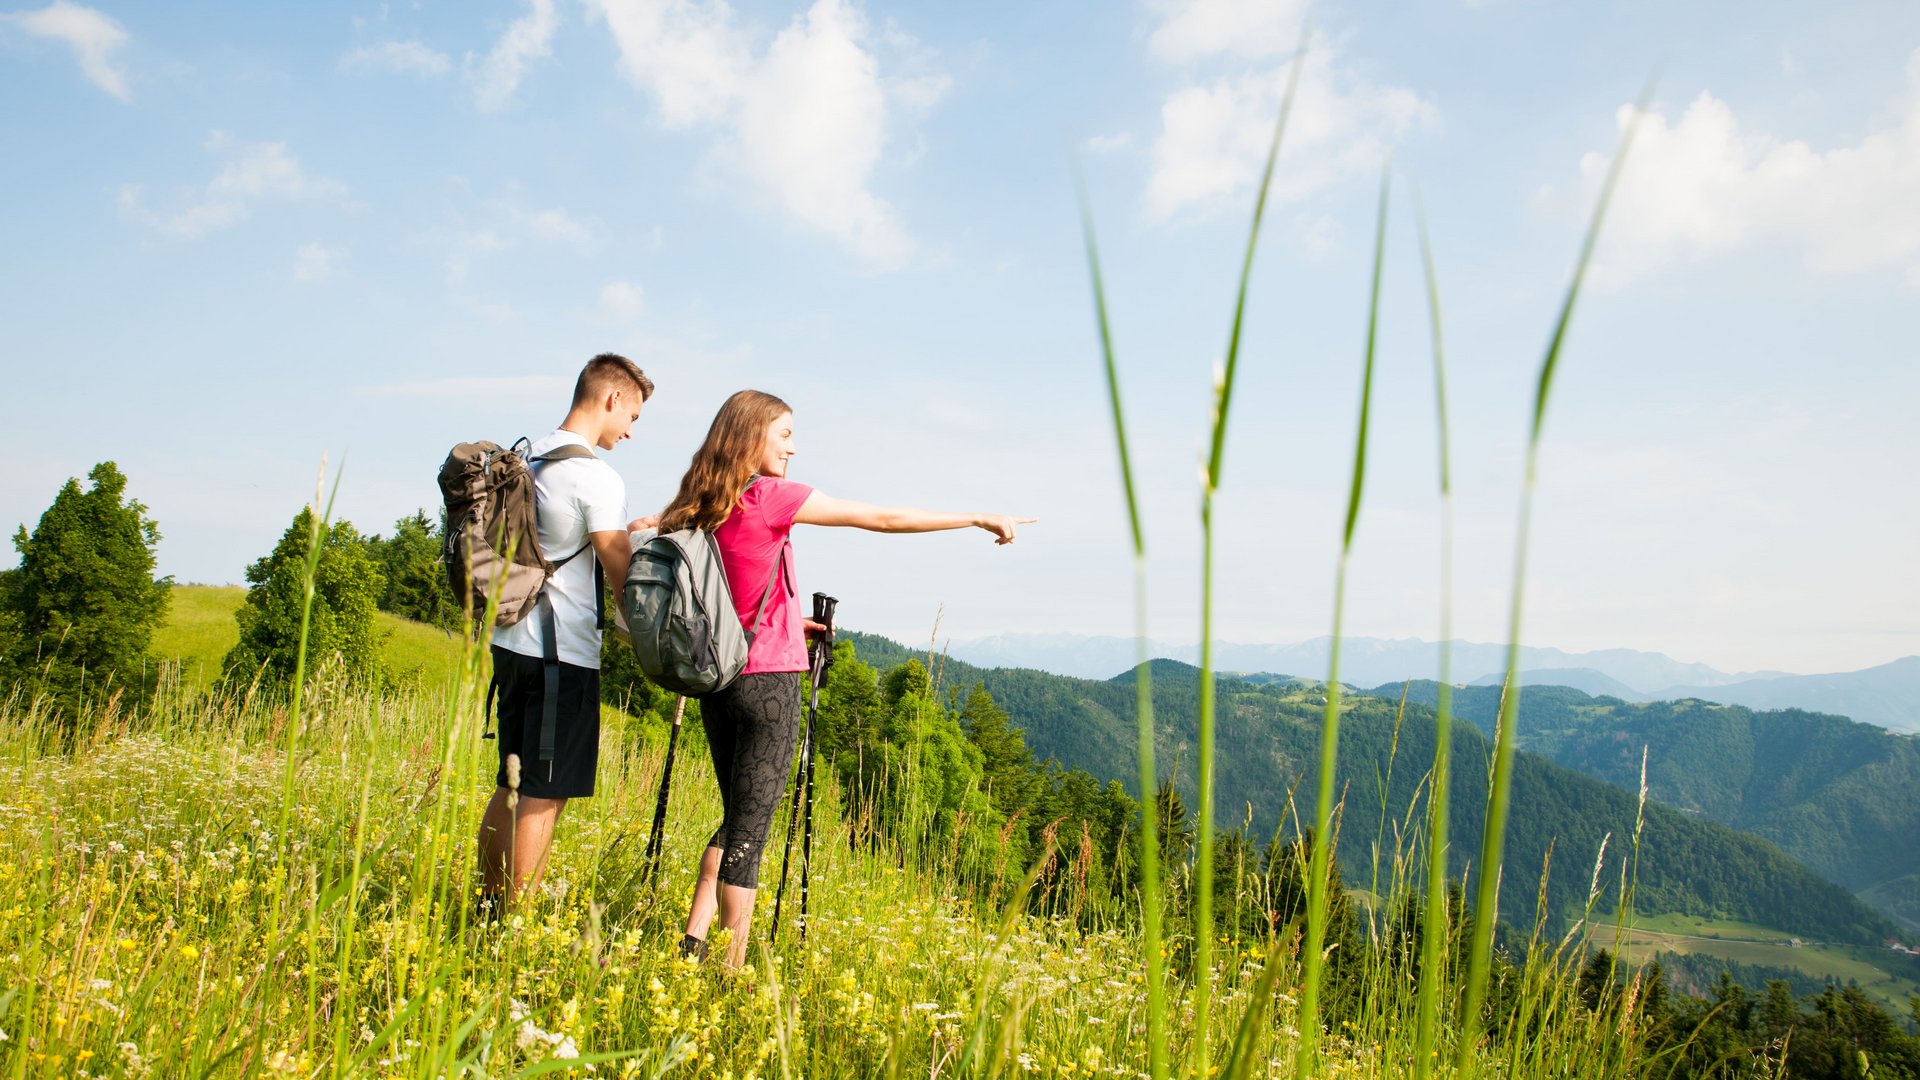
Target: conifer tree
point(80, 612)
point(417, 585)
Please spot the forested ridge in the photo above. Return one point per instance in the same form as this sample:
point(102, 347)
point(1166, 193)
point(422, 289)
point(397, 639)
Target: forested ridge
point(1268, 736)
point(1840, 796)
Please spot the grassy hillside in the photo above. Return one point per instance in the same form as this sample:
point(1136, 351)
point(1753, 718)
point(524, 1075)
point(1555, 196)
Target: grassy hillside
point(210, 890)
point(199, 629)
point(222, 893)
point(1842, 797)
point(1268, 735)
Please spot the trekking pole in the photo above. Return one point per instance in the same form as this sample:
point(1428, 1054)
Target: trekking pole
point(793, 812)
point(823, 606)
point(657, 840)
point(819, 659)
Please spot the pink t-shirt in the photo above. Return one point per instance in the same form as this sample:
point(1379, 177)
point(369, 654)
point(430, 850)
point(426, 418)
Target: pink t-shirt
point(751, 540)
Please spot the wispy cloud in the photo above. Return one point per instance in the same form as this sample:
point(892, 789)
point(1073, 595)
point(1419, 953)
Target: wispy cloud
point(398, 57)
point(557, 226)
point(805, 122)
point(502, 224)
point(1234, 58)
point(314, 262)
point(529, 38)
point(622, 298)
point(1192, 30)
point(1707, 185)
point(95, 39)
point(250, 174)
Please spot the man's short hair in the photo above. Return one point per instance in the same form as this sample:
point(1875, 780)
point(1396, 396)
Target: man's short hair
point(606, 372)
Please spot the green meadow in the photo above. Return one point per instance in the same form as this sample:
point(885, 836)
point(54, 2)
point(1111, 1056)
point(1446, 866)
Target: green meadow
point(219, 888)
point(1765, 947)
point(199, 629)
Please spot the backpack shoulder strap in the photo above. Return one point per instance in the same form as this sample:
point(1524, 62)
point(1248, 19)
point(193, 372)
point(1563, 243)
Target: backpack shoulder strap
point(766, 594)
point(563, 451)
point(558, 453)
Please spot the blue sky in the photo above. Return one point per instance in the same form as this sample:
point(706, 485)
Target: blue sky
point(237, 238)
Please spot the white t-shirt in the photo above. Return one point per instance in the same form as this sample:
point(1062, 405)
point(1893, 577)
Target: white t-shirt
point(572, 497)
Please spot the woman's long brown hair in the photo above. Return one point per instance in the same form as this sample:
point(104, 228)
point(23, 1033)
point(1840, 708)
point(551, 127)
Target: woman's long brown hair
point(728, 458)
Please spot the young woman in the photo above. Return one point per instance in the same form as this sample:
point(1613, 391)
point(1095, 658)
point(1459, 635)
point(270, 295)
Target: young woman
point(753, 723)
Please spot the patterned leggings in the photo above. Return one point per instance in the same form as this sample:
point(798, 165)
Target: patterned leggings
point(751, 728)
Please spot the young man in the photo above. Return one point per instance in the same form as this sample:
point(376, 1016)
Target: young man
point(580, 506)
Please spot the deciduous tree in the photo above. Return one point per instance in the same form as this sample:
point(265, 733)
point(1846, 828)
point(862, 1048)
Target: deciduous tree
point(347, 586)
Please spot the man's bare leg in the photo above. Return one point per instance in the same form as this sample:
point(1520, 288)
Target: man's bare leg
point(513, 844)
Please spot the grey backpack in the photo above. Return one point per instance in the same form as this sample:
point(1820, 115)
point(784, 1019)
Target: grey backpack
point(685, 630)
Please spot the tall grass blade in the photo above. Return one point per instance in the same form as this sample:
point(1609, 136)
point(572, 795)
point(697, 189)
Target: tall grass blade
point(1143, 676)
point(1256, 1019)
point(1223, 398)
point(977, 1043)
point(1322, 849)
point(1433, 936)
point(320, 521)
point(1493, 838)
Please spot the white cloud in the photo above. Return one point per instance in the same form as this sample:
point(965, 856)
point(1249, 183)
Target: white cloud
point(1707, 185)
point(1214, 135)
point(1109, 144)
point(1215, 130)
point(251, 173)
point(622, 298)
point(1200, 29)
point(527, 39)
point(806, 123)
point(686, 53)
point(94, 37)
point(314, 262)
point(399, 57)
point(556, 226)
point(506, 226)
point(813, 121)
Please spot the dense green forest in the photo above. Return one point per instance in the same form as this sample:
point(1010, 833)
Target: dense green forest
point(1268, 734)
point(1840, 796)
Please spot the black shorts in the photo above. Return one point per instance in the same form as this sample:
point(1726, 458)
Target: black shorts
point(576, 742)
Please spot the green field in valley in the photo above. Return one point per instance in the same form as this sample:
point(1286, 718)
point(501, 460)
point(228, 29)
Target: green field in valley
point(199, 629)
point(1763, 946)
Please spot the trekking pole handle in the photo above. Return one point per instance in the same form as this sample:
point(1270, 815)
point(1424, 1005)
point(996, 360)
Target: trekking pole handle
point(823, 606)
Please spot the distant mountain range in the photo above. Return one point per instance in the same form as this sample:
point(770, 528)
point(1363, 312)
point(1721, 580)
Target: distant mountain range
point(1841, 797)
point(1887, 695)
point(1268, 734)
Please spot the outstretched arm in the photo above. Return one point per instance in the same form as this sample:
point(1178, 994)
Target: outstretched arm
point(826, 510)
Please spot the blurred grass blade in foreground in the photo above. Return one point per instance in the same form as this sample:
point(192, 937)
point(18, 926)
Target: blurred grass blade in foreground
point(1494, 837)
point(1142, 673)
point(1323, 830)
point(1223, 398)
